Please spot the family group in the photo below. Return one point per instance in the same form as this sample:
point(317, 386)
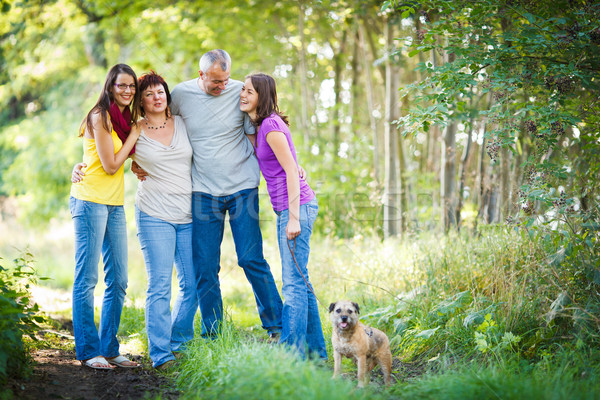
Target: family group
point(198, 152)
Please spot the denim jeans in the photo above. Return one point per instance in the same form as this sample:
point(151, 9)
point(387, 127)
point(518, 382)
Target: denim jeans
point(164, 244)
point(208, 224)
point(301, 323)
point(98, 228)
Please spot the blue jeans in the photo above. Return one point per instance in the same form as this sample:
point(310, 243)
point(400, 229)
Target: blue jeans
point(208, 224)
point(98, 228)
point(164, 244)
point(301, 323)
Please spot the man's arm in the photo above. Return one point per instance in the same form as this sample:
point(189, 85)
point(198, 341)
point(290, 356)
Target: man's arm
point(138, 171)
point(77, 174)
point(249, 128)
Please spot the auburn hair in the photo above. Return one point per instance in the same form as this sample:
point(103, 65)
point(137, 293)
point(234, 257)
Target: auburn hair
point(152, 79)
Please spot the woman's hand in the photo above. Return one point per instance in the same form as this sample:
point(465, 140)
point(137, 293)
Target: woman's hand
point(78, 174)
point(293, 229)
point(135, 131)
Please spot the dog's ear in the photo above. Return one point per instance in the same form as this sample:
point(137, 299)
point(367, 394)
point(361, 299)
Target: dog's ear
point(331, 307)
point(357, 307)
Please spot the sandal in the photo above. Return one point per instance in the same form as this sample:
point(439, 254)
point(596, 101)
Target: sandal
point(122, 362)
point(97, 362)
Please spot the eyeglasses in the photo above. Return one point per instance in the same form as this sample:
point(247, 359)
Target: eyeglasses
point(123, 87)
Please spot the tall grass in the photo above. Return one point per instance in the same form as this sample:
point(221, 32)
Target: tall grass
point(504, 313)
point(467, 318)
point(492, 382)
point(236, 366)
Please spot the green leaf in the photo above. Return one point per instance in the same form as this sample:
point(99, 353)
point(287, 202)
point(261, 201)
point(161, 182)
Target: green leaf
point(597, 276)
point(400, 325)
point(413, 53)
point(426, 334)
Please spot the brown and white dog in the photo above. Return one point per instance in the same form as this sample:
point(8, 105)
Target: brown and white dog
point(366, 346)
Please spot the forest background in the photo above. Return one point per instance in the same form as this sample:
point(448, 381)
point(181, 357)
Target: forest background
point(440, 136)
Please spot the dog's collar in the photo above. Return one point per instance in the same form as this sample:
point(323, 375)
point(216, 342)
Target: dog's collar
point(369, 332)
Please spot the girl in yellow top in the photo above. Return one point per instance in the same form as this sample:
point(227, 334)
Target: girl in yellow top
point(96, 203)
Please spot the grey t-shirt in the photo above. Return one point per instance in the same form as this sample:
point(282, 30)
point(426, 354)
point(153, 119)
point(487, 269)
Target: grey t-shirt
point(224, 160)
point(167, 191)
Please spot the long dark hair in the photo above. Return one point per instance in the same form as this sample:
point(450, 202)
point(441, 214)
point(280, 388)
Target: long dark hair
point(106, 97)
point(152, 79)
point(267, 98)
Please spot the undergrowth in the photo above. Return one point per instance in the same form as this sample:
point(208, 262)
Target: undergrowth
point(237, 365)
point(18, 316)
point(509, 312)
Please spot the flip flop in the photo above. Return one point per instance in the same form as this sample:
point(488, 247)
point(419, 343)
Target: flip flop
point(120, 361)
point(97, 360)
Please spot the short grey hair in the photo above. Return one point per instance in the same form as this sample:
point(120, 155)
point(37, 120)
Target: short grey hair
point(212, 57)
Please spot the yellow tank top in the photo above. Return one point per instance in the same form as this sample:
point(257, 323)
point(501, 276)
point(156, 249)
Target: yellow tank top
point(98, 186)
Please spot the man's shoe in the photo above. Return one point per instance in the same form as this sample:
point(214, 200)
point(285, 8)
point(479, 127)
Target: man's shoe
point(166, 367)
point(274, 337)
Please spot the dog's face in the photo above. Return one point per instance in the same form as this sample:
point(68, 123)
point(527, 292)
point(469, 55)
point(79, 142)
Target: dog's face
point(344, 314)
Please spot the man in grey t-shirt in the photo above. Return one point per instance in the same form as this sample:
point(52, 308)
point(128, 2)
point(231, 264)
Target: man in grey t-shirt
point(225, 177)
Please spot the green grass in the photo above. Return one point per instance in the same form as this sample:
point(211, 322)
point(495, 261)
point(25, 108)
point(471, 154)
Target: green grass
point(237, 365)
point(469, 316)
point(493, 382)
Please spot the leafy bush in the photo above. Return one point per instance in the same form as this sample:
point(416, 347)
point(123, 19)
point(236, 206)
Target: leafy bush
point(571, 241)
point(18, 316)
point(510, 294)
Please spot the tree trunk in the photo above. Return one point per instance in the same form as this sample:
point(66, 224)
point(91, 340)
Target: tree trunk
point(492, 204)
point(369, 37)
point(356, 71)
point(337, 89)
point(94, 45)
point(370, 101)
point(516, 178)
point(303, 83)
point(391, 198)
point(433, 158)
point(433, 164)
point(462, 172)
point(481, 179)
point(403, 181)
point(93, 38)
point(448, 176)
point(403, 160)
point(504, 184)
point(448, 173)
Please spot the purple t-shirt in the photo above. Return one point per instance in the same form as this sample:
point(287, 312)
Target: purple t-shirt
point(273, 171)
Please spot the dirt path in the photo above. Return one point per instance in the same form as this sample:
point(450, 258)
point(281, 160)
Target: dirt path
point(58, 375)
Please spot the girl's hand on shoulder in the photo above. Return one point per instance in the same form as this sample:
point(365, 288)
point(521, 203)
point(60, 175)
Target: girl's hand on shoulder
point(293, 229)
point(135, 131)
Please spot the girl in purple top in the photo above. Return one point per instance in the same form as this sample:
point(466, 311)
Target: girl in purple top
point(296, 207)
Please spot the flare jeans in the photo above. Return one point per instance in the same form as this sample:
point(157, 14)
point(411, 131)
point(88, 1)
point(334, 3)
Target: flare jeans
point(164, 244)
point(99, 228)
point(208, 214)
point(302, 328)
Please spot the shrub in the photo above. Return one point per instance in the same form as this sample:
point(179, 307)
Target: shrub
point(18, 315)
